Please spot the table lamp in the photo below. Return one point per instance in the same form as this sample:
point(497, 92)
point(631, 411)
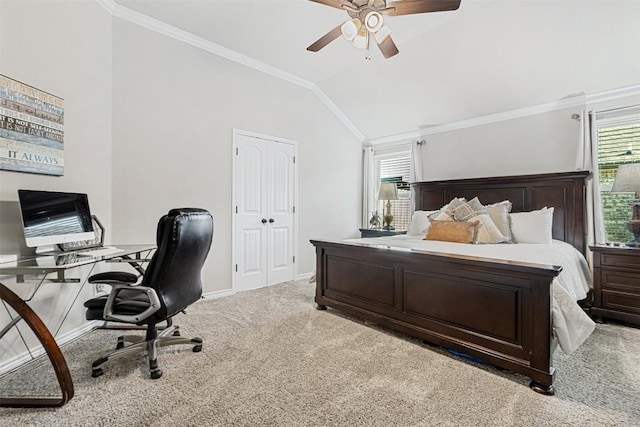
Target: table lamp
point(628, 181)
point(388, 192)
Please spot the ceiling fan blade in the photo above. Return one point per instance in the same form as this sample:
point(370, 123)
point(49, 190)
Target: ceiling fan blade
point(388, 47)
point(338, 4)
point(326, 39)
point(409, 7)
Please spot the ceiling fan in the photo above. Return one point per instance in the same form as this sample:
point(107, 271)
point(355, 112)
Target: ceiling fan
point(366, 18)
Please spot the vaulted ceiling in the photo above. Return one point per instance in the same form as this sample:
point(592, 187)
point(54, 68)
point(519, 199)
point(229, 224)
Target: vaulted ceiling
point(488, 57)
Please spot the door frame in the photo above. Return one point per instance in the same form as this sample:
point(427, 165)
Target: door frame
point(236, 133)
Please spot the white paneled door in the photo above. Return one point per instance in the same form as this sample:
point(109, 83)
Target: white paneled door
point(264, 190)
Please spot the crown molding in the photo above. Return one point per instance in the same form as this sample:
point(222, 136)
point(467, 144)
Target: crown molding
point(165, 29)
point(576, 101)
point(614, 94)
point(479, 121)
point(395, 137)
point(580, 100)
point(338, 113)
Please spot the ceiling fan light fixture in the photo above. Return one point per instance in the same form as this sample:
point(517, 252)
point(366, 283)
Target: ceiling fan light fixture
point(351, 28)
point(366, 17)
point(361, 41)
point(382, 34)
point(373, 21)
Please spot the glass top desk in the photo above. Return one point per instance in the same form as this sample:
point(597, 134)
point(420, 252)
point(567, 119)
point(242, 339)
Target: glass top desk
point(48, 265)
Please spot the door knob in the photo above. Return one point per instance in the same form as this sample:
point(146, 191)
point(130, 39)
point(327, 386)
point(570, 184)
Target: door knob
point(271, 220)
point(264, 220)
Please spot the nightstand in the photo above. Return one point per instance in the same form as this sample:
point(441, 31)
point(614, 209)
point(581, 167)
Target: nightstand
point(379, 232)
point(616, 283)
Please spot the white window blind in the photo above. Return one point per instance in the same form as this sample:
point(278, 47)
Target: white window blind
point(396, 168)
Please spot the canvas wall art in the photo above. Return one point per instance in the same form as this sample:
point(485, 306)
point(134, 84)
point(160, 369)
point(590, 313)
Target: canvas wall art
point(31, 129)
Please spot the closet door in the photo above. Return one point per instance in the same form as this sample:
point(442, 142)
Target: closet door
point(251, 213)
point(264, 189)
point(280, 209)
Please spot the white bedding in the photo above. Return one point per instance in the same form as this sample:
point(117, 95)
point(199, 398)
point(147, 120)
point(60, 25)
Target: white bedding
point(571, 326)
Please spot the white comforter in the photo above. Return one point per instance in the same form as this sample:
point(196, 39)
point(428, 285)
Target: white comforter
point(571, 326)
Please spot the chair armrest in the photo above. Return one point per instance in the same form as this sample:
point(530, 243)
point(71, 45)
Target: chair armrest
point(154, 304)
point(114, 277)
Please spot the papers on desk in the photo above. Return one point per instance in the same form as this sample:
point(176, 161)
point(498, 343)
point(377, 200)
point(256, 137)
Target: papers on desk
point(61, 260)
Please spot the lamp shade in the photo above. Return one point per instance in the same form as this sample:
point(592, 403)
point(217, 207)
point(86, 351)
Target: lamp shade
point(627, 179)
point(388, 191)
point(351, 28)
point(373, 21)
point(361, 40)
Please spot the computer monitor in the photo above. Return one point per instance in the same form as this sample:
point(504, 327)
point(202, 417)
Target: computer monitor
point(51, 217)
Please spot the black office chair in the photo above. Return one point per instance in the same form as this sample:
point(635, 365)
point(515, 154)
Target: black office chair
point(171, 283)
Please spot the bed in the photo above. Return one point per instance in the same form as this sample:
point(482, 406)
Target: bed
point(496, 310)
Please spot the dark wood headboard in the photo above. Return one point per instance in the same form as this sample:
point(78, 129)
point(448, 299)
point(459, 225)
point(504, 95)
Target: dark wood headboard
point(565, 192)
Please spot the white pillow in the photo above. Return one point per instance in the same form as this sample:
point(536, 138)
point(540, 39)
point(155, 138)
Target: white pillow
point(499, 213)
point(532, 227)
point(419, 223)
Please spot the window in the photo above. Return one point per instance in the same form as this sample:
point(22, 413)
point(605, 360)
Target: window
point(617, 144)
point(395, 168)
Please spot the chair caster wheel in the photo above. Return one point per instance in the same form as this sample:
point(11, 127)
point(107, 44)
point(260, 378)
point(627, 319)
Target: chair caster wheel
point(120, 343)
point(156, 374)
point(176, 333)
point(197, 348)
point(95, 373)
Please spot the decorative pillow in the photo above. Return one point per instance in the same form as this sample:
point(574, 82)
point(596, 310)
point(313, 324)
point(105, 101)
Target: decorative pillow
point(419, 223)
point(473, 209)
point(446, 212)
point(533, 227)
point(499, 213)
point(452, 231)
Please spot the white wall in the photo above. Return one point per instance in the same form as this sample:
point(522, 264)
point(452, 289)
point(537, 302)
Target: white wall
point(148, 127)
point(541, 143)
point(63, 48)
point(174, 111)
point(538, 143)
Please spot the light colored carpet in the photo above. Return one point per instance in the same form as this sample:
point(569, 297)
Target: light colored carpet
point(271, 359)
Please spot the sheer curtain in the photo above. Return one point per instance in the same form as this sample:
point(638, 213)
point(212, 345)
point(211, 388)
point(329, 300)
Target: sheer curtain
point(416, 160)
point(368, 186)
point(588, 160)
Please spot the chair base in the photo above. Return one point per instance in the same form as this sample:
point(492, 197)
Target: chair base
point(169, 336)
point(126, 327)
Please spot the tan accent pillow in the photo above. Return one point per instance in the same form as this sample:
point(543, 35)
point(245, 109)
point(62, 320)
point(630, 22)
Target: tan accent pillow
point(452, 231)
point(473, 209)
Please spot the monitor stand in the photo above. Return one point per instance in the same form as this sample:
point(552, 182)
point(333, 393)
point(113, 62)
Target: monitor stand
point(46, 249)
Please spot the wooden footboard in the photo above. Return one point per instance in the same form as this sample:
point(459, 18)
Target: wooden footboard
point(499, 311)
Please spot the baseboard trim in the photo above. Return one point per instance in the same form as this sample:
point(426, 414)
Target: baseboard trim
point(38, 351)
point(229, 292)
point(304, 276)
point(218, 294)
